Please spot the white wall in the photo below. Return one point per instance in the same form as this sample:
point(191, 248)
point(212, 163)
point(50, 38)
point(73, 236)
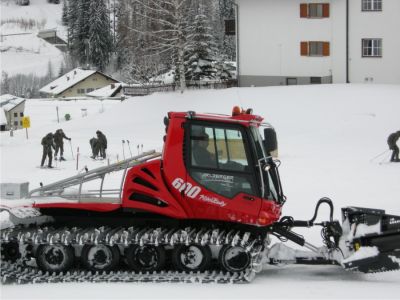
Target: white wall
point(270, 32)
point(385, 25)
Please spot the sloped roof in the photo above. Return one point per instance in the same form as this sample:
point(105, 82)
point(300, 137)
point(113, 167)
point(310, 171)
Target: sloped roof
point(69, 80)
point(8, 101)
point(108, 91)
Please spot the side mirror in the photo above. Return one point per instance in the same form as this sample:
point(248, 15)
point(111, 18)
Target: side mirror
point(270, 141)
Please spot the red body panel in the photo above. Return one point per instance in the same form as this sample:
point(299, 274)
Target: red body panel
point(150, 174)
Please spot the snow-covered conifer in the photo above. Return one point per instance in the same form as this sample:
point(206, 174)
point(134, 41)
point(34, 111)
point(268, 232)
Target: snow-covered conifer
point(100, 43)
point(201, 50)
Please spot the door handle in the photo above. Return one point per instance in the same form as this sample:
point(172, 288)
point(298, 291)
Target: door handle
point(248, 198)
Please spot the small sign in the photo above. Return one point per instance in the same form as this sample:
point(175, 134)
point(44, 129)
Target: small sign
point(26, 122)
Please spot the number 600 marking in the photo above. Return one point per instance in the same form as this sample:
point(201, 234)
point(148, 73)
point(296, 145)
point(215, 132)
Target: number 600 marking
point(188, 189)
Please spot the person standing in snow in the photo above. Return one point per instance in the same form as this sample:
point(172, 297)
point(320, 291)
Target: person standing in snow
point(392, 142)
point(101, 143)
point(95, 148)
point(59, 137)
point(48, 143)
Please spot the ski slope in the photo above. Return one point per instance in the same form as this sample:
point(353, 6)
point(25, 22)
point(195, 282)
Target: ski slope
point(20, 43)
point(328, 136)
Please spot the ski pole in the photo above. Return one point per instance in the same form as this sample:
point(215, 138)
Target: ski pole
point(129, 147)
point(142, 148)
point(123, 148)
point(380, 154)
point(384, 158)
point(72, 152)
point(138, 149)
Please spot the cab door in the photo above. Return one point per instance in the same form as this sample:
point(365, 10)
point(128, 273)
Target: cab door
point(221, 183)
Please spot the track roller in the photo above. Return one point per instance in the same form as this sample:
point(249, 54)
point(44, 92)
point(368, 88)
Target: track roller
point(192, 258)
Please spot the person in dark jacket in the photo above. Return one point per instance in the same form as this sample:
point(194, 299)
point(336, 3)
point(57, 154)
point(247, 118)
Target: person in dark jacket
point(59, 137)
point(101, 143)
point(392, 142)
point(95, 148)
point(48, 144)
point(201, 156)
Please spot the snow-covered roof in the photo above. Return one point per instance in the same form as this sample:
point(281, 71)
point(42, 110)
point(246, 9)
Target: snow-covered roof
point(68, 80)
point(8, 102)
point(107, 91)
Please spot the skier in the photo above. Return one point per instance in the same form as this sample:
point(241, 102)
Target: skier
point(101, 143)
point(59, 137)
point(95, 148)
point(392, 140)
point(48, 143)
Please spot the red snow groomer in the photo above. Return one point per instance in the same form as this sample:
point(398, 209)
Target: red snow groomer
point(206, 210)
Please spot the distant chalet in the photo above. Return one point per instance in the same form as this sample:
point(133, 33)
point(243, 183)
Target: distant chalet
point(11, 112)
point(76, 83)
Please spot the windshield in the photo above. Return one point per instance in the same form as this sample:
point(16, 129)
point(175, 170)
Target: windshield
point(270, 178)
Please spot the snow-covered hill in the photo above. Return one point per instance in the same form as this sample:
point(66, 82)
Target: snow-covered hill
point(22, 52)
point(327, 134)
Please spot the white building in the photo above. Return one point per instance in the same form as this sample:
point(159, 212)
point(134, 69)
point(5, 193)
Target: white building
point(11, 112)
point(282, 42)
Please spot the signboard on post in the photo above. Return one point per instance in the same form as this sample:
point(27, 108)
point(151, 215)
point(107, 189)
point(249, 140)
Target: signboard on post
point(26, 123)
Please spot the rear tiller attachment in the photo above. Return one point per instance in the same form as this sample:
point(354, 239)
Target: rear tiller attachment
point(368, 240)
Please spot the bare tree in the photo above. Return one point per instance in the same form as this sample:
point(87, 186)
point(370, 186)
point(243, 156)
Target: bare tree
point(163, 30)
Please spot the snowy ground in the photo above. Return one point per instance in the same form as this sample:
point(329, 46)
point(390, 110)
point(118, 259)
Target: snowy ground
point(21, 44)
point(327, 137)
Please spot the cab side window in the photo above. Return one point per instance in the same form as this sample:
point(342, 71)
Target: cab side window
point(219, 161)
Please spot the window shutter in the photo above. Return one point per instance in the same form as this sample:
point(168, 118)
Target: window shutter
point(303, 10)
point(304, 48)
point(325, 10)
point(326, 49)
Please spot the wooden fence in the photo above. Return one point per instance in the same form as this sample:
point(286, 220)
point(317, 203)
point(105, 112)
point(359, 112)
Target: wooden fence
point(146, 89)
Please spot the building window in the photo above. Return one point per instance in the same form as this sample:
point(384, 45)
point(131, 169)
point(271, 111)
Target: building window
point(21, 114)
point(314, 10)
point(314, 48)
point(230, 27)
point(15, 123)
point(315, 80)
point(89, 90)
point(372, 47)
point(371, 5)
point(81, 91)
point(15, 115)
